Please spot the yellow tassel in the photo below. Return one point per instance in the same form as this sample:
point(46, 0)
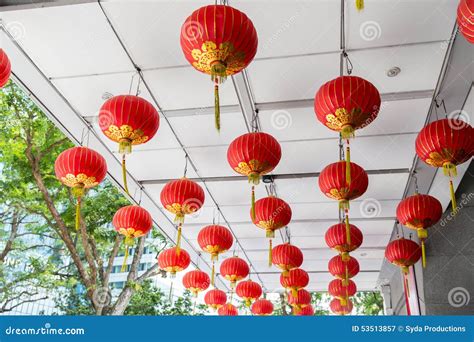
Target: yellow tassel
point(360, 5)
point(348, 231)
point(178, 240)
point(449, 169)
point(345, 282)
point(270, 247)
point(217, 109)
point(253, 202)
point(405, 279)
point(344, 204)
point(248, 301)
point(124, 264)
point(213, 273)
point(345, 256)
point(347, 132)
point(78, 213)
point(285, 273)
point(124, 175)
point(294, 292)
point(348, 165)
point(343, 301)
point(454, 206)
point(423, 253)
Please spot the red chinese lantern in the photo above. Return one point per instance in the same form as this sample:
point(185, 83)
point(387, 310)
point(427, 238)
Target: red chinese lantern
point(337, 289)
point(343, 269)
point(172, 262)
point(306, 311)
point(182, 197)
point(215, 239)
point(403, 253)
point(295, 280)
point(128, 120)
point(234, 269)
point(301, 299)
point(220, 41)
point(419, 212)
point(215, 298)
point(465, 19)
point(339, 308)
point(336, 238)
point(5, 68)
point(446, 143)
point(253, 155)
point(345, 104)
point(287, 257)
point(249, 291)
point(196, 281)
point(228, 310)
point(262, 307)
point(333, 183)
point(271, 213)
point(132, 222)
point(80, 168)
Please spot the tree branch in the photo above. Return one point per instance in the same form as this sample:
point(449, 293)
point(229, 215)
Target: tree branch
point(13, 233)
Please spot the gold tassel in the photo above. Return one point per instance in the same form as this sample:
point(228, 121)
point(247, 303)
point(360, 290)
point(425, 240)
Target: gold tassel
point(343, 301)
point(213, 273)
point(422, 235)
point(178, 240)
point(345, 256)
point(127, 242)
point(294, 292)
point(360, 5)
point(78, 213)
point(248, 301)
point(348, 230)
point(124, 174)
point(450, 170)
point(253, 203)
point(348, 165)
point(270, 247)
point(217, 109)
point(454, 206)
point(345, 282)
point(344, 204)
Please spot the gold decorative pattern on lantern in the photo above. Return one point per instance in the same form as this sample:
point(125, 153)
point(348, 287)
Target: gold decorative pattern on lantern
point(438, 159)
point(225, 54)
point(253, 166)
point(80, 179)
point(173, 269)
point(338, 194)
point(214, 250)
point(181, 210)
point(135, 136)
point(342, 117)
point(130, 232)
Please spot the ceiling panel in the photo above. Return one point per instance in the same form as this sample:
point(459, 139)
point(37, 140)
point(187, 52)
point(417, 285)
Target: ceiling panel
point(62, 43)
point(380, 22)
point(184, 87)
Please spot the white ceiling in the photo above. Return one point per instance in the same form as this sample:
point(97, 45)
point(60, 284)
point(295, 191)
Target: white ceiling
point(76, 48)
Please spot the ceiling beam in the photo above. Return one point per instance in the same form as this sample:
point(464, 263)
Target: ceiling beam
point(270, 177)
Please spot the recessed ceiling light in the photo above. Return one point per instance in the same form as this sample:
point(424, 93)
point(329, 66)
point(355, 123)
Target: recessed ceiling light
point(392, 72)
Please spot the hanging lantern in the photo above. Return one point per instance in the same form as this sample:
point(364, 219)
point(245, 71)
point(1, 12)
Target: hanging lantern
point(215, 240)
point(271, 213)
point(254, 155)
point(446, 143)
point(342, 292)
point(234, 269)
point(249, 291)
point(403, 253)
point(262, 307)
point(220, 41)
point(196, 281)
point(336, 238)
point(172, 262)
point(228, 310)
point(343, 269)
point(182, 197)
point(128, 120)
point(132, 222)
point(5, 68)
point(339, 308)
point(301, 299)
point(287, 257)
point(420, 212)
point(306, 311)
point(465, 19)
point(80, 168)
point(345, 104)
point(295, 280)
point(215, 298)
point(333, 183)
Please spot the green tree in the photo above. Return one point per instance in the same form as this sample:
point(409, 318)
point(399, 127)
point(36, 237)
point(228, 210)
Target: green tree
point(368, 303)
point(29, 145)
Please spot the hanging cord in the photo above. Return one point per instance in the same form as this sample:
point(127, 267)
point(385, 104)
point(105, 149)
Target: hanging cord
point(185, 171)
